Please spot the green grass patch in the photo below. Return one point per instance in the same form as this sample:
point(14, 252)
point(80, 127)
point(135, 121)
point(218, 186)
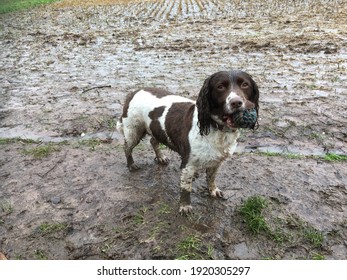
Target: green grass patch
point(139, 217)
point(164, 209)
point(42, 151)
point(315, 237)
point(335, 157)
point(251, 210)
point(284, 231)
point(317, 257)
point(6, 141)
point(328, 157)
point(40, 255)
point(49, 228)
point(6, 207)
point(190, 248)
point(7, 6)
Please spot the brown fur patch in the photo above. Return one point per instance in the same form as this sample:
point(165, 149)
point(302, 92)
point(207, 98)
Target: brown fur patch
point(126, 104)
point(159, 93)
point(155, 127)
point(178, 123)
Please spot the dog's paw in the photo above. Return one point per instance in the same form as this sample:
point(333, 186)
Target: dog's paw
point(133, 167)
point(163, 160)
point(186, 210)
point(217, 193)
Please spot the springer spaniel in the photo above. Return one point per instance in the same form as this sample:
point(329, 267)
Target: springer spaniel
point(202, 133)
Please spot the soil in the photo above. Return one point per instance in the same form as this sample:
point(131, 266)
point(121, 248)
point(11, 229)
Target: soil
point(65, 69)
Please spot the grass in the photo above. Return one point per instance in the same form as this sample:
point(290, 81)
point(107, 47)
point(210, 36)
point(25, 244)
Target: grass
point(139, 218)
point(194, 248)
point(49, 228)
point(314, 236)
point(40, 255)
point(92, 143)
point(317, 257)
point(42, 151)
point(331, 157)
point(6, 141)
point(189, 248)
point(164, 209)
point(7, 6)
point(251, 210)
point(6, 207)
point(335, 157)
point(290, 231)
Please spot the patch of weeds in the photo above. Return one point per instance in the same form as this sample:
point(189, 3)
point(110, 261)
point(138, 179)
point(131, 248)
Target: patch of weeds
point(111, 124)
point(164, 209)
point(190, 248)
point(40, 255)
point(157, 229)
point(327, 157)
point(279, 236)
point(270, 154)
point(4, 141)
point(92, 143)
point(316, 136)
point(139, 218)
point(42, 151)
point(293, 156)
point(210, 251)
point(50, 228)
point(286, 231)
point(314, 236)
point(6, 207)
point(317, 257)
point(335, 157)
point(251, 211)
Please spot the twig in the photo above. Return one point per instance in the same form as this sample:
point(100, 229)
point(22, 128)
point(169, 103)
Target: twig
point(89, 89)
point(54, 166)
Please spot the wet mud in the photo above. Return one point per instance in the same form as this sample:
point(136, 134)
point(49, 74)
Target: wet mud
point(65, 69)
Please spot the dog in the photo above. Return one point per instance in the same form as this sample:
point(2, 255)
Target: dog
point(202, 133)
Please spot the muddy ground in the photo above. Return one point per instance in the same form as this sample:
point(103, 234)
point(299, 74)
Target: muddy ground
point(65, 192)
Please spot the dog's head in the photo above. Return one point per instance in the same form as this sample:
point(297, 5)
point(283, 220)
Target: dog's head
point(223, 94)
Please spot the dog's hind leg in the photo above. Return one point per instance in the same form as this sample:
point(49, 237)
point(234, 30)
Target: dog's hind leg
point(132, 137)
point(160, 158)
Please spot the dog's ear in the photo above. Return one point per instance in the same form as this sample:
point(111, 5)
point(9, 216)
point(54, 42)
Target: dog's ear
point(204, 110)
point(255, 100)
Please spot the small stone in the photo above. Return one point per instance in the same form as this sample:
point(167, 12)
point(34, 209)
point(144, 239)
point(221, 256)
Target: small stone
point(55, 200)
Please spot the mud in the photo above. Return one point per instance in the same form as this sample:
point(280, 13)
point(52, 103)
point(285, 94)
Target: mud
point(65, 70)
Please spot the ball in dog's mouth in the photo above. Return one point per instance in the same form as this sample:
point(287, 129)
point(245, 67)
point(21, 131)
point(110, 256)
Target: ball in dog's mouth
point(241, 119)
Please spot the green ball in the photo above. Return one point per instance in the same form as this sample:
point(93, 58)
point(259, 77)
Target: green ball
point(245, 118)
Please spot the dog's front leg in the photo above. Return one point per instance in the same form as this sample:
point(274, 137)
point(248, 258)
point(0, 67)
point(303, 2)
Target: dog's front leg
point(187, 177)
point(211, 173)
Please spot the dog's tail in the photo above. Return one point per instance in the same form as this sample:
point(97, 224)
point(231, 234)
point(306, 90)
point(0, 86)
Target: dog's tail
point(120, 126)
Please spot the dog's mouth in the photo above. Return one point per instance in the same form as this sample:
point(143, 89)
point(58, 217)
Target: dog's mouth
point(229, 121)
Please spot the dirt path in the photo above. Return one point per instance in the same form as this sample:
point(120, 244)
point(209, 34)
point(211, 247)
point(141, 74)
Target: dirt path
point(65, 70)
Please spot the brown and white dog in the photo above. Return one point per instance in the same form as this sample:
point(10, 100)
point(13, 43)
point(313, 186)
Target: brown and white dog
point(202, 133)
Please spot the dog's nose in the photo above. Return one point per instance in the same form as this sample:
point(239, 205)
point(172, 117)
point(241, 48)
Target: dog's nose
point(236, 102)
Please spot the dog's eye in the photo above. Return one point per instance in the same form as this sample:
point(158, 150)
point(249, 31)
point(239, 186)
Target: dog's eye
point(220, 87)
point(244, 85)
